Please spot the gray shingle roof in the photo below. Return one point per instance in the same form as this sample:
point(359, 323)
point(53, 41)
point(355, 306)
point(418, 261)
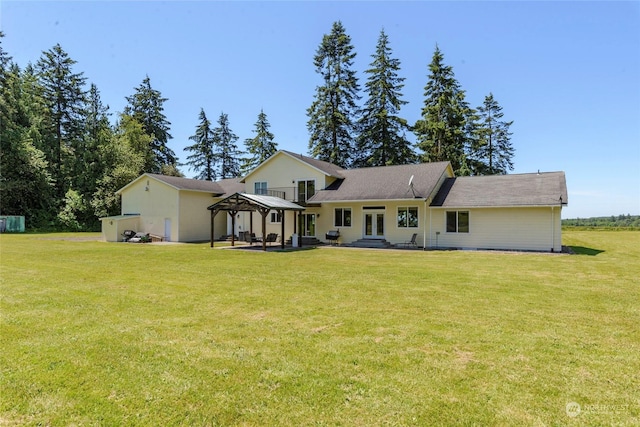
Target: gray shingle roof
point(384, 183)
point(222, 187)
point(529, 189)
point(326, 167)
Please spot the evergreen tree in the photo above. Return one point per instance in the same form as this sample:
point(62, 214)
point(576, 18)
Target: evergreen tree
point(147, 106)
point(25, 183)
point(97, 132)
point(493, 151)
point(203, 160)
point(442, 132)
point(333, 113)
point(261, 146)
point(226, 152)
point(65, 99)
point(382, 140)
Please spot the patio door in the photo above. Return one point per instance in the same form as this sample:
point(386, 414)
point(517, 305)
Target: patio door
point(308, 224)
point(374, 225)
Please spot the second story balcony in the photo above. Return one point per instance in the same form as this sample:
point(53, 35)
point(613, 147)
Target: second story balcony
point(291, 194)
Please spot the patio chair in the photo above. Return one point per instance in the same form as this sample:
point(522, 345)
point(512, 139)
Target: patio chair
point(271, 237)
point(411, 243)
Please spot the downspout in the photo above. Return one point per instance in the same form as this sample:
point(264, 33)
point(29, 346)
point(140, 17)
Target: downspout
point(553, 230)
point(424, 232)
point(430, 228)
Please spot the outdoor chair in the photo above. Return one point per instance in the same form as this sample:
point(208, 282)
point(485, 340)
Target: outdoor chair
point(411, 243)
point(271, 237)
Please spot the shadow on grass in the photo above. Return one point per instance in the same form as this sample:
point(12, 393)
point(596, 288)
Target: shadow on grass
point(581, 250)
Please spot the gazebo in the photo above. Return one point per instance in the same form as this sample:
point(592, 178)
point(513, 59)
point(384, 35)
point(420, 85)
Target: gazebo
point(252, 202)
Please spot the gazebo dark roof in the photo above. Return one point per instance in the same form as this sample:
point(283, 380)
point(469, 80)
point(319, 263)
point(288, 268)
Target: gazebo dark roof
point(252, 202)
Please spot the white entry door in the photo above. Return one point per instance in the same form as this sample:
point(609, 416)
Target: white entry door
point(167, 229)
point(373, 225)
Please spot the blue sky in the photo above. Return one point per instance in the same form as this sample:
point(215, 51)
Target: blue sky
point(566, 73)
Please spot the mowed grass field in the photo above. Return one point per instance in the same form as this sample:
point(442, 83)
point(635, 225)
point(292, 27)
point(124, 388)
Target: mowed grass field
point(95, 333)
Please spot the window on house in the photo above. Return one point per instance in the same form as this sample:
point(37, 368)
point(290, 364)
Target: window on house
point(342, 217)
point(260, 188)
point(276, 217)
point(306, 189)
point(408, 217)
point(457, 221)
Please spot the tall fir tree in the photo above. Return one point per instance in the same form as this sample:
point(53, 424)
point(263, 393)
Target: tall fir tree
point(64, 95)
point(227, 151)
point(442, 132)
point(146, 105)
point(202, 160)
point(382, 140)
point(261, 146)
point(97, 132)
point(333, 113)
point(25, 182)
point(493, 152)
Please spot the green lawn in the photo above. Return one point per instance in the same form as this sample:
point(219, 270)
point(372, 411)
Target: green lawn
point(95, 333)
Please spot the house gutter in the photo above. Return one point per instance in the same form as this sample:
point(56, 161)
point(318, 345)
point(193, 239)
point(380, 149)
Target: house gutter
point(553, 229)
point(427, 202)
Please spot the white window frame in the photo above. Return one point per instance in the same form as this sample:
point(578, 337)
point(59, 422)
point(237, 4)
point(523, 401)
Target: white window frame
point(406, 210)
point(306, 188)
point(275, 215)
point(342, 217)
point(457, 224)
point(258, 190)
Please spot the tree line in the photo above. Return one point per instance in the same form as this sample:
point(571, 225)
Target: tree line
point(62, 160)
point(620, 221)
point(475, 141)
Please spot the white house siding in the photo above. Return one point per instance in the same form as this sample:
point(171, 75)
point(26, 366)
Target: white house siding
point(283, 172)
point(516, 228)
point(392, 233)
point(194, 221)
point(155, 201)
point(114, 226)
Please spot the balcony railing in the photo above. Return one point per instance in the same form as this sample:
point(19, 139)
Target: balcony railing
point(277, 192)
point(287, 193)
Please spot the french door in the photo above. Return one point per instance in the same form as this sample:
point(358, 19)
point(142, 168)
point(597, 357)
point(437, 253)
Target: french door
point(308, 224)
point(374, 225)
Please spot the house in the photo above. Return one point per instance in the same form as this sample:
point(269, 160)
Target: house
point(172, 208)
point(374, 206)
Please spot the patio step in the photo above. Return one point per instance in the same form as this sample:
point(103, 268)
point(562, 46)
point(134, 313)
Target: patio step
point(370, 243)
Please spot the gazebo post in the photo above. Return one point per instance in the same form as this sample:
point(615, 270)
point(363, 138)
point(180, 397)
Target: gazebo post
point(233, 227)
point(300, 230)
point(264, 212)
point(212, 222)
point(250, 227)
